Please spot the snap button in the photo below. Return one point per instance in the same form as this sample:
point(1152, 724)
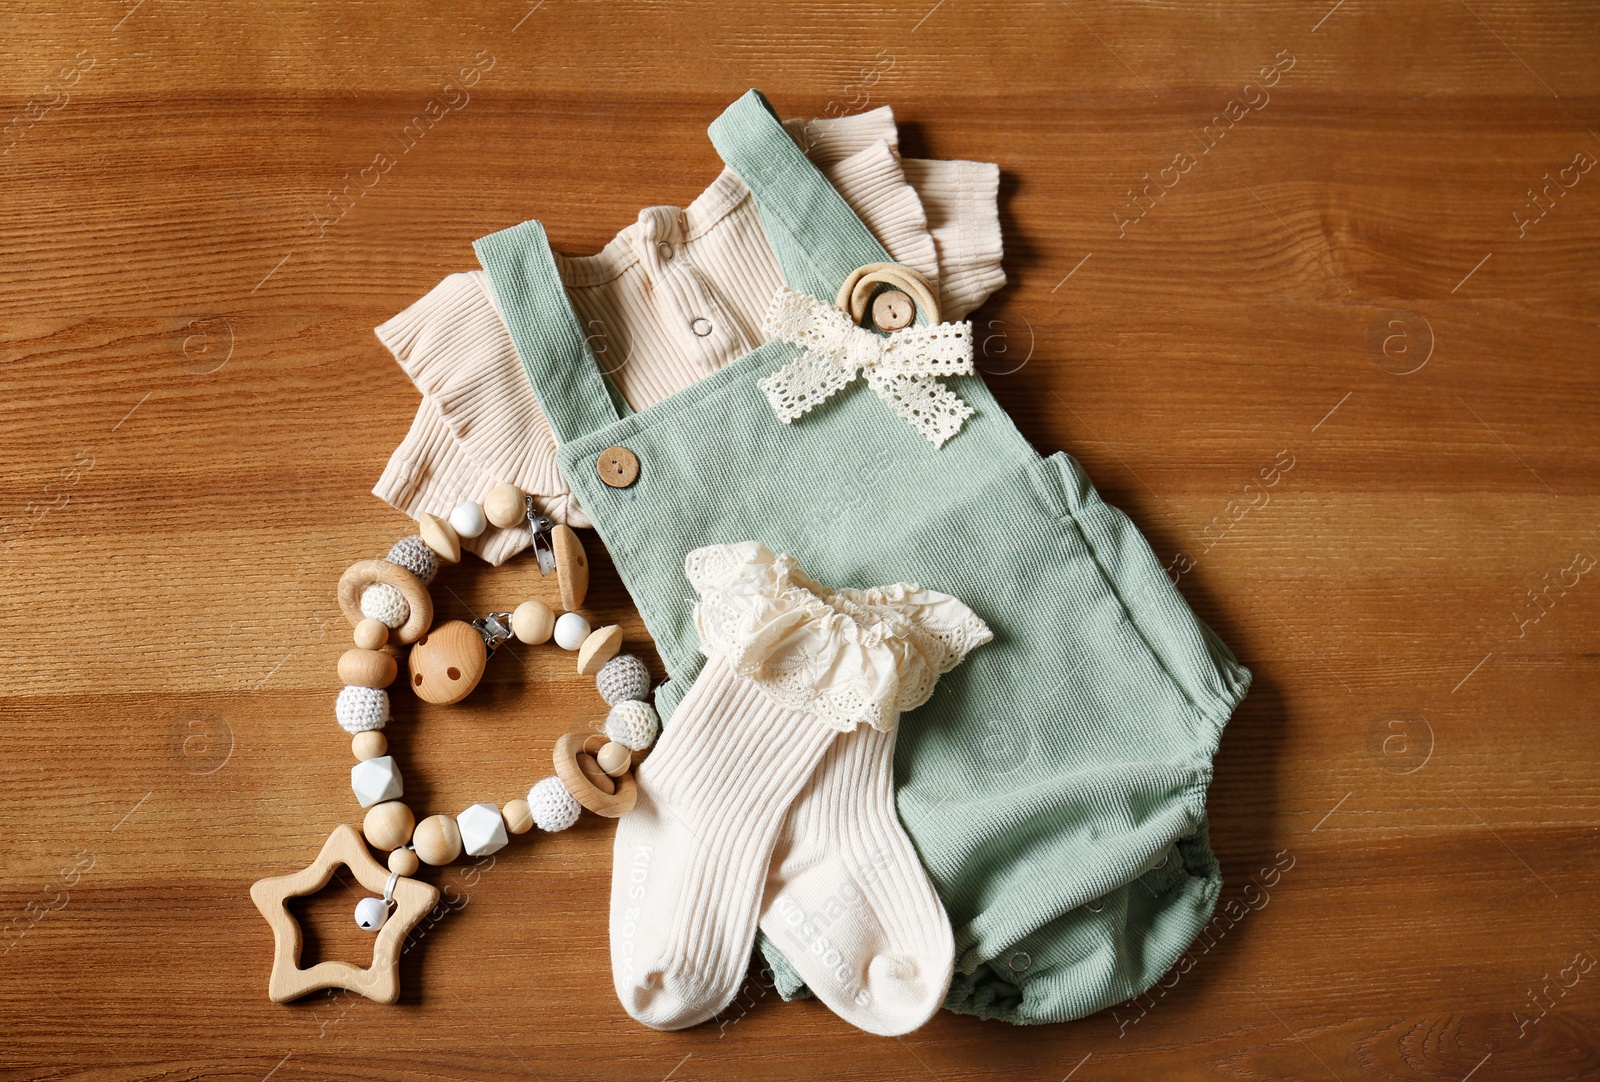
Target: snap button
point(664, 249)
point(701, 326)
point(892, 310)
point(617, 467)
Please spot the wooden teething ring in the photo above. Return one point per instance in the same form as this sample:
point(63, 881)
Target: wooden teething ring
point(611, 805)
point(358, 576)
point(856, 291)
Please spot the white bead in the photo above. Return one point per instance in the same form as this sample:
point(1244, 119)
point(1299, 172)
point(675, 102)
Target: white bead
point(360, 709)
point(376, 780)
point(384, 603)
point(371, 913)
point(467, 519)
point(571, 630)
point(482, 830)
point(633, 724)
point(552, 806)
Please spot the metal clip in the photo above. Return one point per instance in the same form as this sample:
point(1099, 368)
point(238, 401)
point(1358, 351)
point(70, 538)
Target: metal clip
point(495, 629)
point(541, 526)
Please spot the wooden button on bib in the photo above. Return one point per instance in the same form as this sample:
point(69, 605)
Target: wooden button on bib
point(617, 467)
point(892, 310)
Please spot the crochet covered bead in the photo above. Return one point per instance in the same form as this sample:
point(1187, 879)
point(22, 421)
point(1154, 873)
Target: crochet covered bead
point(413, 554)
point(633, 724)
point(622, 678)
point(384, 603)
point(552, 806)
point(361, 709)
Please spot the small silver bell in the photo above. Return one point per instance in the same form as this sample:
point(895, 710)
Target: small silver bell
point(371, 913)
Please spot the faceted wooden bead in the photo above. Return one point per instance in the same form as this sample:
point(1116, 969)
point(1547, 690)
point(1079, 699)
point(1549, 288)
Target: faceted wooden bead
point(367, 668)
point(369, 745)
point(597, 777)
point(614, 758)
point(371, 634)
point(517, 814)
point(572, 565)
point(437, 840)
point(441, 537)
point(599, 647)
point(504, 506)
point(404, 862)
point(388, 825)
point(447, 663)
point(533, 622)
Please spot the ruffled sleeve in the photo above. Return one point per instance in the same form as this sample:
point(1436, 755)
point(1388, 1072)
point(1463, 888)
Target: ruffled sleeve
point(844, 656)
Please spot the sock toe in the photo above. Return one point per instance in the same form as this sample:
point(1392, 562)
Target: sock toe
point(667, 998)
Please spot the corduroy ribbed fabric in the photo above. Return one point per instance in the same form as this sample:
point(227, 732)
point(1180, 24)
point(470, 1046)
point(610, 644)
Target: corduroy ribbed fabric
point(1055, 784)
point(689, 861)
point(848, 903)
point(638, 300)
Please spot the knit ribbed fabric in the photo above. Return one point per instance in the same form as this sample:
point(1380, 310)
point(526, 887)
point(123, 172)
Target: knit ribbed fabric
point(847, 901)
point(672, 298)
point(690, 859)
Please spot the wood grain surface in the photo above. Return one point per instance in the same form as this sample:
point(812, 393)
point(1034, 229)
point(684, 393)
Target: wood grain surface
point(1359, 288)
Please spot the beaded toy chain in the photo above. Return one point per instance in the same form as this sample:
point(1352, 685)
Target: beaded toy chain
point(387, 602)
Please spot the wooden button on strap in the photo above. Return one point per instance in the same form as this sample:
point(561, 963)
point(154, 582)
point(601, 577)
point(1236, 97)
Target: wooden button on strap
point(892, 310)
point(617, 467)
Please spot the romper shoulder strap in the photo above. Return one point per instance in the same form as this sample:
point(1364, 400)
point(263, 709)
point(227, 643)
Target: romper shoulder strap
point(565, 375)
point(818, 239)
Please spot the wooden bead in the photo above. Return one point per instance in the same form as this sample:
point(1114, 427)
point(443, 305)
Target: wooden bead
point(597, 777)
point(367, 668)
point(572, 566)
point(441, 537)
point(369, 745)
point(437, 840)
point(518, 816)
point(388, 825)
point(371, 634)
point(533, 622)
point(404, 862)
point(447, 663)
point(614, 758)
point(599, 647)
point(504, 506)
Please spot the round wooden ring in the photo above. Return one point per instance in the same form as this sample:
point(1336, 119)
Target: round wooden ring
point(856, 291)
point(358, 576)
point(611, 805)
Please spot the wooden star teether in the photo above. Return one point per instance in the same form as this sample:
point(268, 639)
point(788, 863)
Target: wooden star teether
point(380, 981)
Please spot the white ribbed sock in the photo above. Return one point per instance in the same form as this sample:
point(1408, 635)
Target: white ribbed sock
point(847, 900)
point(691, 858)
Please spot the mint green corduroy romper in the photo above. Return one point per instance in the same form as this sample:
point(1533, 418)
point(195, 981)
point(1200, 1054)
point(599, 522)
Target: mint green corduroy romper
point(1055, 784)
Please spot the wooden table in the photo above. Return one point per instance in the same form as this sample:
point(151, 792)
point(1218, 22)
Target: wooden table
point(1374, 283)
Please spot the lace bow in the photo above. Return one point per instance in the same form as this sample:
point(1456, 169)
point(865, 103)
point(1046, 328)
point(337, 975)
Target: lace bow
point(902, 369)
